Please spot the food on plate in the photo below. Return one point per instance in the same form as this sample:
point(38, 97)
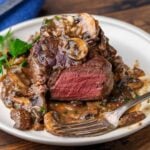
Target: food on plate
point(66, 73)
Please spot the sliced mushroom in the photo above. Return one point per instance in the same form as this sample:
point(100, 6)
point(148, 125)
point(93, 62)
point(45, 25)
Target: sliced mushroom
point(135, 84)
point(16, 80)
point(22, 118)
point(70, 19)
point(21, 100)
point(137, 72)
point(17, 61)
point(78, 49)
point(89, 25)
point(50, 122)
point(131, 118)
point(135, 108)
point(35, 111)
point(38, 126)
point(39, 107)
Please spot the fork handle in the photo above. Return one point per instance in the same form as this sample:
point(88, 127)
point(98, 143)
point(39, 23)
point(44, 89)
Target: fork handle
point(121, 110)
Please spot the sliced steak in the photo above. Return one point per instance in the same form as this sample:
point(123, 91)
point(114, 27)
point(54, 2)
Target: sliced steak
point(92, 80)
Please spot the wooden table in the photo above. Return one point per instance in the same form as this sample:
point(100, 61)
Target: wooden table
point(136, 12)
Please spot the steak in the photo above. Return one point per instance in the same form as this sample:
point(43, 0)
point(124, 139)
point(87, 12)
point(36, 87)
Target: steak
point(39, 60)
point(86, 58)
point(92, 80)
point(46, 56)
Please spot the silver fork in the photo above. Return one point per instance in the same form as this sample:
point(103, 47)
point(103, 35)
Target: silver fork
point(94, 127)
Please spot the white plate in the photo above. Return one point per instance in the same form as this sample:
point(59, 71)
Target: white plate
point(131, 42)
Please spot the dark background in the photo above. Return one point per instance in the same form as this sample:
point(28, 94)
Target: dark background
point(136, 12)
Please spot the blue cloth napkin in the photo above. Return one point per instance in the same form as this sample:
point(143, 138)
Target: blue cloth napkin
point(26, 10)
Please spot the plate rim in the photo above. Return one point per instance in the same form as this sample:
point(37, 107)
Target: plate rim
point(91, 140)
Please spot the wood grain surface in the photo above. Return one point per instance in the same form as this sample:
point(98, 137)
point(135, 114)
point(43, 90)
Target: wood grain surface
point(136, 12)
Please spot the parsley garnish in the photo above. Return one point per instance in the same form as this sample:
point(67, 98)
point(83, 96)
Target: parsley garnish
point(11, 48)
point(24, 63)
point(18, 47)
point(5, 41)
point(57, 17)
point(1, 39)
point(3, 60)
point(48, 21)
point(43, 110)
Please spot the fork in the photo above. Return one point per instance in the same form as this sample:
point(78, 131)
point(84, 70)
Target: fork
point(99, 126)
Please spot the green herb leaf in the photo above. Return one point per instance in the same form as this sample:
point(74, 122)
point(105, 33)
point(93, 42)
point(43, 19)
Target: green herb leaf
point(15, 47)
point(43, 110)
point(8, 35)
point(3, 60)
point(57, 17)
point(1, 43)
point(1, 69)
point(18, 47)
point(1, 39)
point(48, 21)
point(5, 41)
point(24, 63)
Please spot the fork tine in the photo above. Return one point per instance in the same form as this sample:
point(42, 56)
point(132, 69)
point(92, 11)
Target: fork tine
point(75, 125)
point(78, 124)
point(100, 127)
point(84, 128)
point(92, 132)
point(95, 124)
point(87, 133)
